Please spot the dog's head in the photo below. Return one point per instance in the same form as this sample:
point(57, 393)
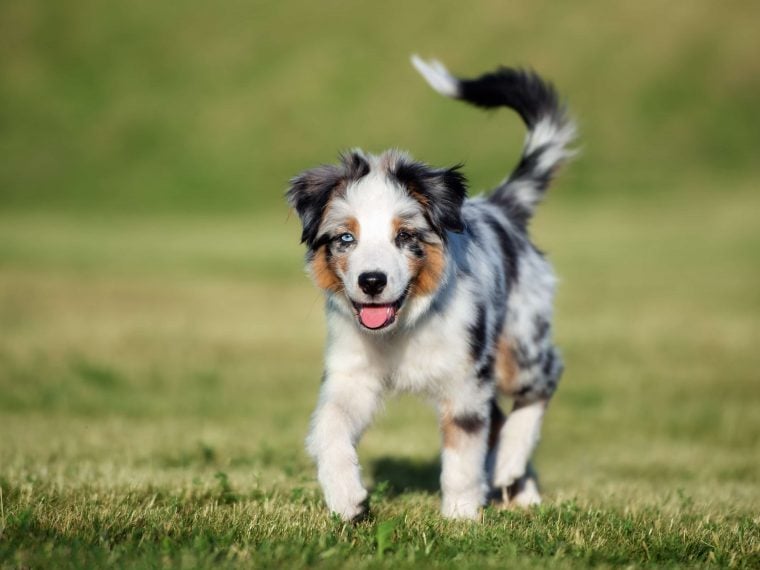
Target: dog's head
point(376, 231)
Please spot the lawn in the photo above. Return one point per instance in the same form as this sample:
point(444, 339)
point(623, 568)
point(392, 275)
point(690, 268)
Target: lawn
point(160, 345)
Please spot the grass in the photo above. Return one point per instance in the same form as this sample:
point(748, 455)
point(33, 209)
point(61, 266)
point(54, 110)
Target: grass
point(153, 409)
point(160, 347)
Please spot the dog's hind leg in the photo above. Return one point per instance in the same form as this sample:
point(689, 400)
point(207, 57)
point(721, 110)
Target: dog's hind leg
point(531, 381)
point(517, 441)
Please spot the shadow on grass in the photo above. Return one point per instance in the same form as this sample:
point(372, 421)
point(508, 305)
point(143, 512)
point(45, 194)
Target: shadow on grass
point(407, 475)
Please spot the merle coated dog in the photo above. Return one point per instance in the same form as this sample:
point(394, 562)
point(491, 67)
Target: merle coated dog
point(431, 292)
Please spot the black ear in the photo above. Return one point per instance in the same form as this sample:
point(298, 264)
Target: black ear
point(309, 193)
point(311, 190)
point(441, 191)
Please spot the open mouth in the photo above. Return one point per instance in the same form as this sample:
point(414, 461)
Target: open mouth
point(378, 316)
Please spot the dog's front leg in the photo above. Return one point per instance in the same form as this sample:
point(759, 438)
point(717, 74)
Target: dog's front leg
point(463, 477)
point(346, 406)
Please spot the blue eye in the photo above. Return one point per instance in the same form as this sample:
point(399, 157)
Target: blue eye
point(346, 238)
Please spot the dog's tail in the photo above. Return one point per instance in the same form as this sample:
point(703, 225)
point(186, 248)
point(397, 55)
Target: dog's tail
point(550, 130)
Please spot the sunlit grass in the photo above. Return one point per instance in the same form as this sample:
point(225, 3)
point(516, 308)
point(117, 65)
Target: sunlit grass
point(160, 346)
point(157, 384)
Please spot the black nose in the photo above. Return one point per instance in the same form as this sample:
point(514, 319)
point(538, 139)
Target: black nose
point(372, 282)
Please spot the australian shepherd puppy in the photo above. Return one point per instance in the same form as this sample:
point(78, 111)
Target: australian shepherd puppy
point(431, 292)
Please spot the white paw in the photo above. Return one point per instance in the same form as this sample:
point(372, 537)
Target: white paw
point(346, 500)
point(527, 494)
point(462, 506)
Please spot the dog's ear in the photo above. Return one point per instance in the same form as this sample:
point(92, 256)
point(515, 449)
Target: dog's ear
point(311, 190)
point(309, 193)
point(441, 191)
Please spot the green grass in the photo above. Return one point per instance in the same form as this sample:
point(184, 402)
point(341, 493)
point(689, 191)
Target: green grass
point(153, 408)
point(160, 346)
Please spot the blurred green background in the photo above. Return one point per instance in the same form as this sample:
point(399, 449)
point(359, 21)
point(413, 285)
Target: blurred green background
point(199, 107)
point(156, 328)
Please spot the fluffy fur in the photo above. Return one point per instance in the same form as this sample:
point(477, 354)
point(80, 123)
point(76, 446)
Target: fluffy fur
point(430, 292)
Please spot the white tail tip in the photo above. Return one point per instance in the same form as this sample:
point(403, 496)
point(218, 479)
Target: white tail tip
point(436, 74)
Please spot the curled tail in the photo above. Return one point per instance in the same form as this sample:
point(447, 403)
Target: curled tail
point(550, 130)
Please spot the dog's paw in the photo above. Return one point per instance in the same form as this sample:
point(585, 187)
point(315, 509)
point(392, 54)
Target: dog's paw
point(348, 504)
point(461, 512)
point(464, 506)
point(525, 493)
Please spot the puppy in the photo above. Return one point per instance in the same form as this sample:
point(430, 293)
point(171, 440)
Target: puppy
point(430, 292)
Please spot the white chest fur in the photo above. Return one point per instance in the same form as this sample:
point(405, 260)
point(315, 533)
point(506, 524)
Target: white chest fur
point(432, 358)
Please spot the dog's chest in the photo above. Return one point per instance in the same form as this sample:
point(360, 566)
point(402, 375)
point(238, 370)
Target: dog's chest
point(429, 361)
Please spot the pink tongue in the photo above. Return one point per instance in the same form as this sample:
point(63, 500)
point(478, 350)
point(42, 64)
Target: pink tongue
point(375, 317)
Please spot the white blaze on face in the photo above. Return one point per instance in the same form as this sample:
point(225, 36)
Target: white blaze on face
point(375, 202)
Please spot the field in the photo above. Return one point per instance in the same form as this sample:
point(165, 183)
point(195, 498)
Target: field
point(160, 346)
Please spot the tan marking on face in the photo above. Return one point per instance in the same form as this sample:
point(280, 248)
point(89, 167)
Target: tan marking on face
point(352, 225)
point(429, 270)
point(397, 224)
point(323, 272)
point(326, 272)
point(505, 368)
point(340, 260)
